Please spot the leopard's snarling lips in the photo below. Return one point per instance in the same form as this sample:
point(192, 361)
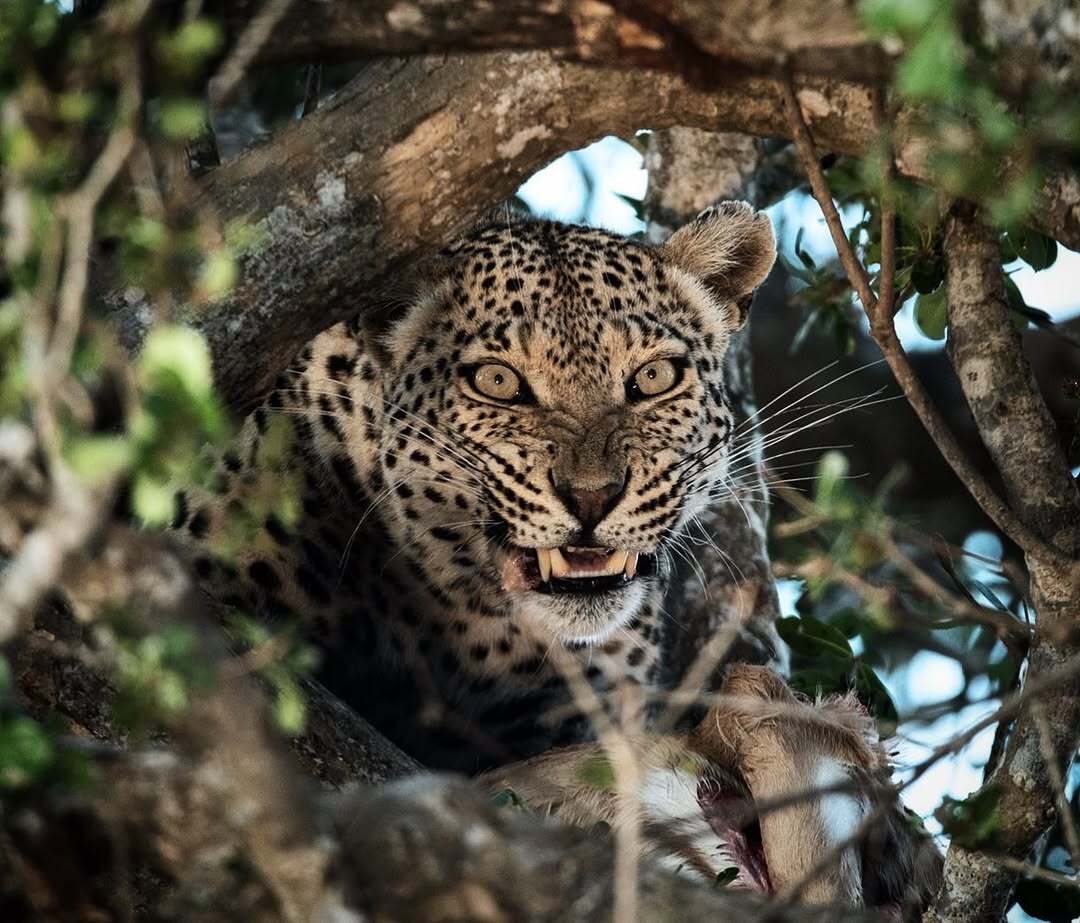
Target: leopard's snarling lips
point(574, 569)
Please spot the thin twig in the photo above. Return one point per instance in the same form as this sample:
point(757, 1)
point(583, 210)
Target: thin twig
point(247, 47)
point(887, 283)
point(75, 511)
point(624, 764)
point(1033, 871)
point(1010, 631)
point(312, 90)
point(1065, 818)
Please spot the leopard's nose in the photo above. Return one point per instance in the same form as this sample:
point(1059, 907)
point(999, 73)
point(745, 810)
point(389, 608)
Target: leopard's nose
point(590, 505)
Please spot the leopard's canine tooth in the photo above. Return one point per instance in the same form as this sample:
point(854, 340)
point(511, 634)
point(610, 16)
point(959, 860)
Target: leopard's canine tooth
point(631, 564)
point(559, 565)
point(543, 558)
point(617, 562)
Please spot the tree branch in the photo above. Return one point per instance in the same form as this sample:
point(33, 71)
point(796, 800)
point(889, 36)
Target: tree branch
point(1019, 433)
point(355, 193)
point(683, 35)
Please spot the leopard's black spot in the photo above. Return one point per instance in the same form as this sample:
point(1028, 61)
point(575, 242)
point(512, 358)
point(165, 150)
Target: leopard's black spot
point(265, 576)
point(199, 525)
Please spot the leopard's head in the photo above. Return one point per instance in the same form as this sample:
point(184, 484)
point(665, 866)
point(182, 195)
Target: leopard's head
point(555, 410)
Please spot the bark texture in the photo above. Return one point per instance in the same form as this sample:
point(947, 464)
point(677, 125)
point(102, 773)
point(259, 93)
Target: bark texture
point(432, 849)
point(1019, 433)
point(674, 34)
point(690, 36)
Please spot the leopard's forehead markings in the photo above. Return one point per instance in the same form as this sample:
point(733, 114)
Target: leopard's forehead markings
point(566, 297)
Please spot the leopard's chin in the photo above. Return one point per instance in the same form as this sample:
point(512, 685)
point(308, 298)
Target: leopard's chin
point(589, 618)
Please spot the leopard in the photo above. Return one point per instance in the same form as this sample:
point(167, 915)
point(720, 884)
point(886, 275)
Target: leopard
point(490, 479)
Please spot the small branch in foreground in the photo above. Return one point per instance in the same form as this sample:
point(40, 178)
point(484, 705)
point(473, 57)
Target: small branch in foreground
point(1065, 817)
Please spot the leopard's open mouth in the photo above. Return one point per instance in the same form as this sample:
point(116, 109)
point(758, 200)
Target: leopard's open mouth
point(575, 569)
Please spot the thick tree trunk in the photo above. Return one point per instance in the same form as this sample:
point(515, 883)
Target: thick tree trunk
point(1019, 432)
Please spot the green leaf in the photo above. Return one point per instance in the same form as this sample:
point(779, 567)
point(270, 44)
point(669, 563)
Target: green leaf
point(933, 67)
point(1014, 295)
point(153, 501)
point(180, 352)
point(806, 259)
point(872, 692)
point(182, 119)
point(218, 275)
point(98, 458)
point(974, 821)
point(172, 693)
point(849, 621)
point(1008, 250)
point(927, 273)
point(75, 106)
point(832, 468)
point(814, 638)
point(26, 751)
point(1035, 249)
point(931, 314)
point(289, 707)
point(596, 771)
point(637, 205)
point(1014, 202)
point(507, 798)
point(901, 17)
point(187, 49)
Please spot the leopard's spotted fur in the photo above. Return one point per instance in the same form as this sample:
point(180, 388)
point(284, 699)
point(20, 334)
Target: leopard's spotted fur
point(416, 488)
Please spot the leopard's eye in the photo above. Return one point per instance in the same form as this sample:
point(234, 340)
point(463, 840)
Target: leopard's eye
point(654, 378)
point(497, 381)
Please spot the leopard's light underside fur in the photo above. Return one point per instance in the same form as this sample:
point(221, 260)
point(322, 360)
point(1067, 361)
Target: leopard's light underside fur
point(548, 387)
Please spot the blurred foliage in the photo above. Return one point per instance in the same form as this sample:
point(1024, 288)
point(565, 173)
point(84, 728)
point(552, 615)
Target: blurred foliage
point(990, 123)
point(978, 105)
point(991, 126)
point(157, 674)
point(31, 752)
point(65, 92)
point(826, 296)
point(860, 612)
point(74, 91)
point(290, 660)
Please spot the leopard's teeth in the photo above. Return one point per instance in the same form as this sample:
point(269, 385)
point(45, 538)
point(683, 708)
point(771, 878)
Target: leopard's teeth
point(552, 563)
point(560, 567)
point(617, 562)
point(543, 558)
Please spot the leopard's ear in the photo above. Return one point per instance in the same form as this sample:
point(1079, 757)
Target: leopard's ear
point(730, 248)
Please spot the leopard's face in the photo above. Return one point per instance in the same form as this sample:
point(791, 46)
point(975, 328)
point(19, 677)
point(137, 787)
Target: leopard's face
point(555, 414)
